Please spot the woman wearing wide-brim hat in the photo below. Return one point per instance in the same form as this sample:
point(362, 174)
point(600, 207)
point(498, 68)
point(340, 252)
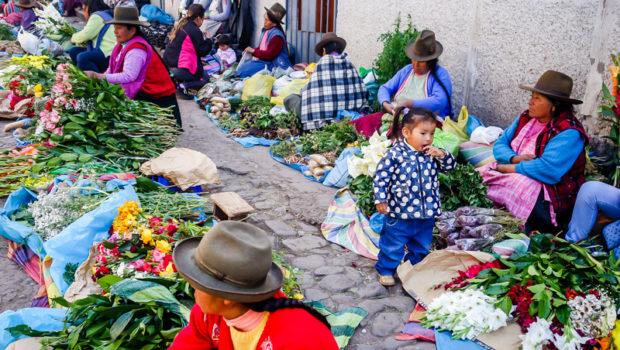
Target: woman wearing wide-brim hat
point(540, 158)
point(29, 16)
point(272, 50)
point(238, 300)
point(136, 65)
point(423, 83)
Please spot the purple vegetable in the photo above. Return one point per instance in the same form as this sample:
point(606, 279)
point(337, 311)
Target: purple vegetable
point(473, 211)
point(482, 231)
point(452, 237)
point(445, 215)
point(446, 226)
point(474, 220)
point(471, 243)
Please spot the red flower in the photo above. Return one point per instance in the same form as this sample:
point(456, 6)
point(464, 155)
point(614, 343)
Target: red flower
point(133, 249)
point(153, 222)
point(170, 229)
point(115, 252)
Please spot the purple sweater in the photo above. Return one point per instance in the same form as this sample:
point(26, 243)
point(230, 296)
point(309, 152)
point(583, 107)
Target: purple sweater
point(27, 19)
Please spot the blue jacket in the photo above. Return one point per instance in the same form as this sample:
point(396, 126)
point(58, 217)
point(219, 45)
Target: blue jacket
point(437, 100)
point(558, 157)
point(281, 60)
point(407, 180)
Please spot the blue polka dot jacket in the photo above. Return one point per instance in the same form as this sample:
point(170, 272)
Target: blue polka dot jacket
point(407, 180)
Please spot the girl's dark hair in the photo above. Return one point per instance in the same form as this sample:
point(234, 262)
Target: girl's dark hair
point(333, 47)
point(415, 116)
point(194, 11)
point(275, 304)
point(95, 5)
point(432, 66)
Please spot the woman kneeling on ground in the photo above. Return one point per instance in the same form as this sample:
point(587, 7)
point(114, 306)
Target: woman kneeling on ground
point(540, 158)
point(136, 65)
point(187, 46)
point(423, 83)
point(239, 304)
point(99, 34)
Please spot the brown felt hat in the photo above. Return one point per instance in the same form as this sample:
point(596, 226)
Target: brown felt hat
point(276, 12)
point(232, 261)
point(555, 85)
point(329, 38)
point(26, 3)
point(127, 15)
point(425, 47)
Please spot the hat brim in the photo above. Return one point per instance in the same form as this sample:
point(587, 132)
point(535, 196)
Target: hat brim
point(183, 257)
point(273, 14)
point(321, 44)
point(25, 6)
point(555, 97)
point(135, 23)
point(413, 56)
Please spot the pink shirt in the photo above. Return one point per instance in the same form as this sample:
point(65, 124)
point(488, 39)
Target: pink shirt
point(228, 56)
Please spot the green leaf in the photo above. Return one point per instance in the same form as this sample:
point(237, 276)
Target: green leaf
point(85, 158)
point(606, 93)
point(107, 281)
point(537, 288)
point(91, 133)
point(563, 314)
point(120, 324)
point(504, 304)
point(73, 126)
point(544, 308)
point(531, 270)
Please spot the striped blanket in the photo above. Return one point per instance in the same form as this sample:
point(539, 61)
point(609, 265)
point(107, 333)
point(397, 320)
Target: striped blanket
point(29, 261)
point(348, 226)
point(343, 323)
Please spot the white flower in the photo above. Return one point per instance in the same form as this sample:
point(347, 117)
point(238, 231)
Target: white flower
point(538, 334)
point(594, 315)
point(371, 155)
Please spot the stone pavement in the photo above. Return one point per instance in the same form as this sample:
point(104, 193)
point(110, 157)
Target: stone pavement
point(289, 207)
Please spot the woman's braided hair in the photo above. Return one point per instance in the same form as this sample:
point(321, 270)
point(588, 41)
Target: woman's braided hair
point(275, 304)
point(432, 66)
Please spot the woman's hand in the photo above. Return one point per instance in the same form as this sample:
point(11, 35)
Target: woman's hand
point(408, 104)
point(434, 151)
point(388, 107)
point(249, 50)
point(522, 158)
point(93, 74)
point(382, 208)
point(506, 168)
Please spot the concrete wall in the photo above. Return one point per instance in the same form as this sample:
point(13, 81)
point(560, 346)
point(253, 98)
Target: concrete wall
point(492, 46)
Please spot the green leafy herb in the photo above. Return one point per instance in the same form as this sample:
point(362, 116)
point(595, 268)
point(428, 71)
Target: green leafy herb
point(69, 275)
point(361, 187)
point(284, 149)
point(393, 57)
point(333, 137)
point(462, 186)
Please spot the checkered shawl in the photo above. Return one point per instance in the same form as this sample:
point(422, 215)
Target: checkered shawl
point(335, 85)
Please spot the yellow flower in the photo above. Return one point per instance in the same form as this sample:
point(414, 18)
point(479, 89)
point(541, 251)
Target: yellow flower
point(168, 272)
point(163, 246)
point(147, 237)
point(94, 271)
point(38, 90)
point(298, 296)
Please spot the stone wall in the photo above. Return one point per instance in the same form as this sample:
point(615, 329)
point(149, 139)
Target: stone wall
point(492, 46)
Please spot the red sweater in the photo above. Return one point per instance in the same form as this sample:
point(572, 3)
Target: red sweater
point(285, 329)
point(273, 49)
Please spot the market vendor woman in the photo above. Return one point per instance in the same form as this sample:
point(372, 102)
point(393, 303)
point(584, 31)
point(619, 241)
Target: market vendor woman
point(423, 83)
point(136, 65)
point(239, 304)
point(540, 158)
point(272, 51)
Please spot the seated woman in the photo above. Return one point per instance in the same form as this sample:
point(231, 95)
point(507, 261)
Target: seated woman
point(97, 34)
point(239, 304)
point(595, 197)
point(272, 51)
point(28, 17)
point(136, 66)
point(219, 11)
point(186, 47)
point(540, 158)
point(69, 7)
point(423, 83)
point(334, 86)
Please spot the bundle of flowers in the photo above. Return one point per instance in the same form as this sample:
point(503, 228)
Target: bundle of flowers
point(362, 168)
point(468, 314)
point(53, 25)
point(573, 292)
point(139, 245)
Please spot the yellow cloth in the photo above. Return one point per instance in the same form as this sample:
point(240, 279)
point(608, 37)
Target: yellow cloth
point(248, 340)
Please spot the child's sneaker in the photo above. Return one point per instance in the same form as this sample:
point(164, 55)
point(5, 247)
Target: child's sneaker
point(387, 280)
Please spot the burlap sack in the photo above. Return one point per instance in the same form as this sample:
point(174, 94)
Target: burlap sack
point(184, 167)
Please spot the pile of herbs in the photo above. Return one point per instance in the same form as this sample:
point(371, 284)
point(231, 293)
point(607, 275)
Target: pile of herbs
point(254, 114)
point(361, 187)
point(462, 186)
point(135, 314)
point(547, 271)
point(393, 57)
point(284, 149)
point(6, 33)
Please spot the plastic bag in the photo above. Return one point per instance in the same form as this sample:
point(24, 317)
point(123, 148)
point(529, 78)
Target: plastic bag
point(49, 48)
point(482, 231)
point(458, 128)
point(277, 109)
point(294, 87)
point(472, 124)
point(473, 211)
point(28, 41)
point(279, 84)
point(474, 220)
point(447, 141)
point(246, 57)
point(486, 135)
point(445, 215)
point(472, 243)
point(446, 226)
point(37, 318)
point(258, 85)
point(339, 175)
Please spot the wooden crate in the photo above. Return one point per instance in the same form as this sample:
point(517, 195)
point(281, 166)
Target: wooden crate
point(230, 206)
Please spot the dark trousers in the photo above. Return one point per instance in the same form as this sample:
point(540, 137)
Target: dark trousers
point(85, 60)
point(540, 218)
point(189, 80)
point(164, 102)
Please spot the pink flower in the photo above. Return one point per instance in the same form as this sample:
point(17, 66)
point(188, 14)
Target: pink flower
point(58, 131)
point(157, 256)
point(101, 259)
point(50, 126)
point(58, 89)
point(74, 103)
point(54, 116)
point(60, 101)
point(44, 115)
point(113, 238)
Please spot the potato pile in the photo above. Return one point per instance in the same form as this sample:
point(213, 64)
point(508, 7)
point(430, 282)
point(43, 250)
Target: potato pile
point(220, 107)
point(318, 166)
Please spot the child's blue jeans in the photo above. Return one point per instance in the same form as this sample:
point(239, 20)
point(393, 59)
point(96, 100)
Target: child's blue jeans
point(417, 235)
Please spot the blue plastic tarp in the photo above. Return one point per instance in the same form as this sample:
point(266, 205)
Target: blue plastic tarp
point(248, 141)
point(339, 175)
point(72, 244)
point(299, 167)
point(444, 341)
point(14, 230)
point(154, 13)
point(37, 318)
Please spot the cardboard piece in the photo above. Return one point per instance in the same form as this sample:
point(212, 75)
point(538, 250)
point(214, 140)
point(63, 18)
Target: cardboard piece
point(184, 167)
point(441, 266)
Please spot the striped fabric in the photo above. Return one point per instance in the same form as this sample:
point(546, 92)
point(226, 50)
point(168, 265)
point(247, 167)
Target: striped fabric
point(342, 323)
point(346, 225)
point(29, 261)
point(50, 285)
point(476, 154)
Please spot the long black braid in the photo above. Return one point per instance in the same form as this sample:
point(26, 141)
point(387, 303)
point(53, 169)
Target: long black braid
point(275, 304)
point(432, 65)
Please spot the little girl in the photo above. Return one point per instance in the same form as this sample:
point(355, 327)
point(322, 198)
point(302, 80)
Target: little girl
point(406, 188)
